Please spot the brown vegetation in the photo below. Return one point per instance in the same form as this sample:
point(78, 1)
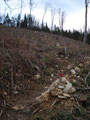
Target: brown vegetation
point(37, 59)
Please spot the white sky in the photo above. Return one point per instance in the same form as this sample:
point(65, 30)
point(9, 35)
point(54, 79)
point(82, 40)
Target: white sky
point(74, 11)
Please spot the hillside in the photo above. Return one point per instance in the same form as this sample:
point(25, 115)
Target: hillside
point(30, 62)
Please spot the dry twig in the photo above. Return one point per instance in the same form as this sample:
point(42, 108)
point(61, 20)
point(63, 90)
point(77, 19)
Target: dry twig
point(4, 105)
point(82, 88)
point(54, 102)
point(12, 70)
point(86, 80)
point(36, 110)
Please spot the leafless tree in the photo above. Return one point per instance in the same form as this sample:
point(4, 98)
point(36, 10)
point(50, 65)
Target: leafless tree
point(85, 31)
point(52, 18)
point(45, 10)
point(30, 6)
point(59, 15)
point(63, 15)
point(20, 12)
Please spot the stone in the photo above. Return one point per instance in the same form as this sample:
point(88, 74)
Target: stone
point(66, 57)
point(57, 66)
point(62, 97)
point(62, 70)
point(87, 62)
point(45, 87)
point(73, 71)
point(69, 67)
point(37, 68)
point(38, 76)
point(61, 91)
point(80, 65)
point(15, 92)
point(51, 79)
point(62, 56)
point(67, 77)
point(55, 92)
point(54, 84)
point(57, 45)
point(83, 98)
point(74, 81)
point(52, 75)
point(78, 76)
point(60, 87)
point(5, 93)
point(66, 95)
point(67, 87)
point(63, 80)
point(77, 69)
point(15, 108)
point(43, 97)
point(18, 108)
point(71, 90)
point(75, 76)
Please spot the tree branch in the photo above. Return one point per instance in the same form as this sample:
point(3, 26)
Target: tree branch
point(8, 5)
point(86, 79)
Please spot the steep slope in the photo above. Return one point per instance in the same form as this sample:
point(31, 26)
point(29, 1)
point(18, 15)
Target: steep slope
point(31, 61)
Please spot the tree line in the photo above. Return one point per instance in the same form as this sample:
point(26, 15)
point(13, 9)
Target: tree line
point(29, 22)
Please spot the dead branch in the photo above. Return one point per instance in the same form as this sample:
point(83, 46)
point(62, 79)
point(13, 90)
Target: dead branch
point(2, 77)
point(3, 44)
point(4, 106)
point(10, 58)
point(54, 102)
point(12, 70)
point(86, 79)
point(7, 5)
point(82, 89)
point(36, 110)
point(77, 101)
point(65, 48)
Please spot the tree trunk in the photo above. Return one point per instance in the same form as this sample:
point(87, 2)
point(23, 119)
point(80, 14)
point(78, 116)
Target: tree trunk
point(85, 32)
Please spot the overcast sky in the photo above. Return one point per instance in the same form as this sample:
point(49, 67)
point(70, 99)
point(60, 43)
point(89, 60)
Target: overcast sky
point(75, 10)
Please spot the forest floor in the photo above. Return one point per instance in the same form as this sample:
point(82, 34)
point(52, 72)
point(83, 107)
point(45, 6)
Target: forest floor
point(29, 62)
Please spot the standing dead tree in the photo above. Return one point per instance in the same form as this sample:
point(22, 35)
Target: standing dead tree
point(30, 17)
point(59, 15)
point(85, 31)
point(63, 14)
point(52, 19)
point(20, 12)
point(45, 10)
point(21, 3)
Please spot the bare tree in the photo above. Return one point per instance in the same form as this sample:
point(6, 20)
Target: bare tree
point(20, 12)
point(63, 15)
point(52, 19)
point(59, 15)
point(45, 10)
point(30, 6)
point(85, 31)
